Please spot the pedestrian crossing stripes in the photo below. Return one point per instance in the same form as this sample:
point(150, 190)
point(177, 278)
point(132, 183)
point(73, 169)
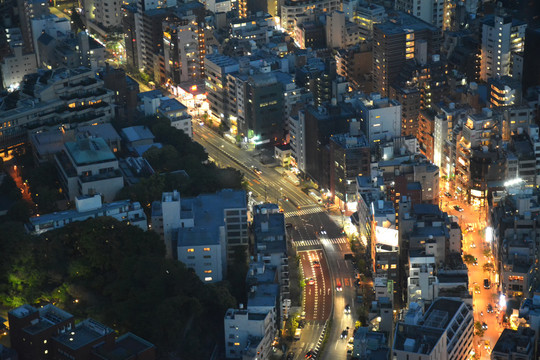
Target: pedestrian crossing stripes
point(301, 212)
point(314, 242)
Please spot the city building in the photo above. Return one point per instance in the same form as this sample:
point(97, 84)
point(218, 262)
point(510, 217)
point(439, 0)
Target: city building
point(292, 8)
point(16, 66)
point(429, 11)
point(217, 67)
point(340, 32)
point(203, 249)
point(502, 36)
point(531, 52)
point(51, 333)
point(102, 13)
point(444, 332)
point(365, 15)
point(354, 64)
point(515, 344)
point(349, 158)
point(177, 114)
point(90, 207)
point(184, 50)
point(248, 335)
point(504, 91)
point(224, 211)
point(370, 345)
point(395, 42)
point(69, 97)
point(422, 283)
point(87, 167)
point(380, 118)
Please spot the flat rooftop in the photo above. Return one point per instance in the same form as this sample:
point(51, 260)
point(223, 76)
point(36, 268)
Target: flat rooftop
point(89, 151)
point(84, 333)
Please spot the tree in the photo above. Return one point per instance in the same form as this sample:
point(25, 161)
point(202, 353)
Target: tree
point(469, 259)
point(488, 267)
point(478, 329)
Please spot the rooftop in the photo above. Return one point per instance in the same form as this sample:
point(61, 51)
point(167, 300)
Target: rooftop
point(198, 236)
point(137, 133)
point(519, 341)
point(127, 346)
point(168, 104)
point(84, 333)
point(400, 23)
point(89, 151)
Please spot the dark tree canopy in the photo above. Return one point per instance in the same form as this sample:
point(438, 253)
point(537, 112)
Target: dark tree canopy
point(117, 274)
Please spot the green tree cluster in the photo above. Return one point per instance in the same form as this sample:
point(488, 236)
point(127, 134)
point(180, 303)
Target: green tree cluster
point(117, 274)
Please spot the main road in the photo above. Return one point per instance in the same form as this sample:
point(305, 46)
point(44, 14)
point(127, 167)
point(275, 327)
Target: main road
point(315, 235)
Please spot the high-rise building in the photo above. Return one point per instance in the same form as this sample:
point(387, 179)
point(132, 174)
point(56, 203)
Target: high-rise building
point(430, 11)
point(184, 50)
point(395, 42)
point(103, 13)
point(217, 67)
point(380, 118)
point(502, 36)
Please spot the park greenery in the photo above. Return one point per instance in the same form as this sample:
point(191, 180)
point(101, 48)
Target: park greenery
point(179, 152)
point(118, 275)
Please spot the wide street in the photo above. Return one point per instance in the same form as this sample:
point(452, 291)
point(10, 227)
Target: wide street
point(315, 233)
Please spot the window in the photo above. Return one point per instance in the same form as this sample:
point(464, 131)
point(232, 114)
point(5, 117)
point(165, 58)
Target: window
point(208, 278)
point(190, 250)
point(206, 249)
point(207, 271)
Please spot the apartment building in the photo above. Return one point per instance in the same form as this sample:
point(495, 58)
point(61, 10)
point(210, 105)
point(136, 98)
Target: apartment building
point(184, 49)
point(444, 332)
point(292, 8)
point(177, 114)
point(223, 214)
point(515, 344)
point(15, 66)
point(395, 42)
point(248, 335)
point(380, 118)
point(69, 97)
point(365, 15)
point(340, 32)
point(87, 167)
point(90, 207)
point(502, 36)
point(422, 282)
point(217, 67)
point(429, 11)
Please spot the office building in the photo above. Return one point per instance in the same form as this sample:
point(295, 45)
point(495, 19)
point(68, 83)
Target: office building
point(395, 42)
point(87, 167)
point(502, 36)
point(340, 32)
point(444, 332)
point(90, 207)
point(354, 64)
point(365, 15)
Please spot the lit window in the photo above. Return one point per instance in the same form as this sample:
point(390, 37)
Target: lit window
point(236, 344)
point(208, 278)
point(207, 271)
point(206, 249)
point(190, 250)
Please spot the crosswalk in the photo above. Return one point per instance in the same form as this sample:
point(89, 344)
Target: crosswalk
point(314, 242)
point(301, 212)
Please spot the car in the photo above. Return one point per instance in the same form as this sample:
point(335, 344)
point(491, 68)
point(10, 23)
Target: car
point(484, 326)
point(201, 123)
point(489, 308)
point(347, 309)
point(309, 355)
point(316, 264)
point(481, 313)
point(310, 281)
point(338, 286)
point(257, 171)
point(487, 284)
point(477, 289)
point(487, 345)
point(344, 334)
point(285, 198)
point(448, 195)
point(458, 208)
